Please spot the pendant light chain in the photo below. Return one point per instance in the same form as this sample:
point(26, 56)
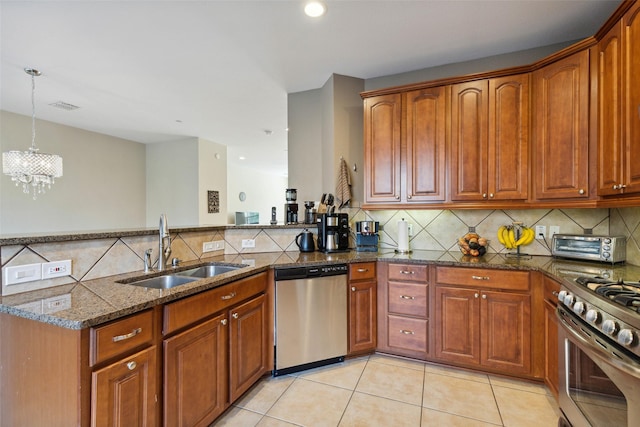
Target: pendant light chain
point(33, 113)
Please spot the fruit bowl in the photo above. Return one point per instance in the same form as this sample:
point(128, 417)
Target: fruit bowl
point(472, 244)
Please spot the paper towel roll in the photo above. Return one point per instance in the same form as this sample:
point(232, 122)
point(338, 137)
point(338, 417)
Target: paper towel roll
point(403, 236)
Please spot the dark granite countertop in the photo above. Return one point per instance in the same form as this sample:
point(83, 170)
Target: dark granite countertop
point(97, 301)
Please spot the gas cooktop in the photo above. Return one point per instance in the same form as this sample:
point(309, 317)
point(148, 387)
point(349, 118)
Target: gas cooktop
point(619, 292)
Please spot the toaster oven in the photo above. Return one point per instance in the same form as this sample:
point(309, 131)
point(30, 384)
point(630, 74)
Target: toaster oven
point(611, 249)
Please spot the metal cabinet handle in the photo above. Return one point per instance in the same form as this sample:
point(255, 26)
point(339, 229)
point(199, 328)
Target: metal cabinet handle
point(481, 277)
point(363, 270)
point(554, 293)
point(484, 296)
point(484, 195)
point(132, 365)
point(475, 295)
point(397, 197)
point(407, 272)
point(491, 195)
point(353, 288)
point(229, 296)
point(131, 334)
point(581, 191)
point(409, 196)
point(407, 297)
point(234, 315)
point(223, 322)
point(406, 332)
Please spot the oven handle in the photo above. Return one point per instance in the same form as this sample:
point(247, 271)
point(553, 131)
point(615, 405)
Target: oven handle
point(626, 365)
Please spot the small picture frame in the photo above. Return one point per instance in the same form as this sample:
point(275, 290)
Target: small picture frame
point(213, 201)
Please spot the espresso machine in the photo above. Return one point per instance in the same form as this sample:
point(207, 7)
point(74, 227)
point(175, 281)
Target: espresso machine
point(310, 214)
point(333, 232)
point(367, 236)
point(291, 207)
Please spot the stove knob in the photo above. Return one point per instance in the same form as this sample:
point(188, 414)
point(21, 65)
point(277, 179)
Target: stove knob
point(593, 316)
point(609, 327)
point(626, 337)
point(561, 296)
point(606, 254)
point(569, 300)
point(578, 308)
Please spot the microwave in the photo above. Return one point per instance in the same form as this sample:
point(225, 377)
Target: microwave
point(611, 249)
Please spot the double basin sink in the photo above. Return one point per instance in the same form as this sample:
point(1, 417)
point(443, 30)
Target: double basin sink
point(178, 278)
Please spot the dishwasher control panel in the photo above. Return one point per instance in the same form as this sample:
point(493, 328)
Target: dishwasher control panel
point(293, 273)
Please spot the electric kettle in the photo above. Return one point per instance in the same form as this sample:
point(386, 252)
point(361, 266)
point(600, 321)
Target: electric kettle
point(305, 241)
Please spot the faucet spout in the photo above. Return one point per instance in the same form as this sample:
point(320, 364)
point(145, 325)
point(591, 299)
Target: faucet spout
point(164, 246)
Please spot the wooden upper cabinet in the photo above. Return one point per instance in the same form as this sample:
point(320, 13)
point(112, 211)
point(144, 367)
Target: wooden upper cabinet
point(631, 62)
point(469, 151)
point(424, 134)
point(382, 124)
point(490, 139)
point(561, 128)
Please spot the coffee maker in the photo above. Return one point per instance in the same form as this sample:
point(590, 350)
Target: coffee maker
point(291, 207)
point(333, 232)
point(367, 236)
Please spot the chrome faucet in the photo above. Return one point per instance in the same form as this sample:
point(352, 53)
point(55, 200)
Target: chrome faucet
point(147, 260)
point(164, 248)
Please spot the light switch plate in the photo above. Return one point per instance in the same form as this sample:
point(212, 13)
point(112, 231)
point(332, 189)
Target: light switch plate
point(208, 247)
point(21, 274)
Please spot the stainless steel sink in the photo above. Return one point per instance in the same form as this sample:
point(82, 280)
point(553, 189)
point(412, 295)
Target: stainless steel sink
point(208, 271)
point(164, 282)
point(178, 278)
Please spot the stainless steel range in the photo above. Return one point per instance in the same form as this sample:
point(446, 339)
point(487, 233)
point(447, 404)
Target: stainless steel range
point(599, 352)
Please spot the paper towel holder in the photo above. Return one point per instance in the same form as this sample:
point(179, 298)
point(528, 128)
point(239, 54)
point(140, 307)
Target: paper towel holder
point(402, 251)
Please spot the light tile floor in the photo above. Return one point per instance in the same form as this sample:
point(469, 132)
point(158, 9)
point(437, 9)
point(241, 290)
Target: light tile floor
point(380, 390)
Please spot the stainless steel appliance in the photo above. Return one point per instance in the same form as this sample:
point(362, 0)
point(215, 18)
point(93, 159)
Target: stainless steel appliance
point(291, 207)
point(599, 352)
point(247, 218)
point(333, 232)
point(311, 317)
point(367, 236)
point(611, 249)
point(310, 214)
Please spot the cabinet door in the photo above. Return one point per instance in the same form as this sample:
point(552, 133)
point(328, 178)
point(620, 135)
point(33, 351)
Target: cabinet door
point(362, 316)
point(248, 345)
point(610, 143)
point(195, 374)
point(469, 105)
point(425, 144)
point(631, 61)
point(505, 329)
point(561, 128)
point(508, 146)
point(457, 335)
point(382, 123)
point(124, 393)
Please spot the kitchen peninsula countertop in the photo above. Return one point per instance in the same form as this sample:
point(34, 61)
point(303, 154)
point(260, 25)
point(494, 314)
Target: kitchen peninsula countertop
point(98, 301)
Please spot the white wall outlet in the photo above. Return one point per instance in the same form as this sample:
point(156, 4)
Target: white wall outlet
point(218, 245)
point(541, 231)
point(248, 243)
point(59, 303)
point(208, 247)
point(410, 228)
point(56, 269)
point(22, 273)
point(554, 229)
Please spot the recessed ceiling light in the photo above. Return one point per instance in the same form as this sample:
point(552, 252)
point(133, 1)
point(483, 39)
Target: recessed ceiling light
point(315, 9)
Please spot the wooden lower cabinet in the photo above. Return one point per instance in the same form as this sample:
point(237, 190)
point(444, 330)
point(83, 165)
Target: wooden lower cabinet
point(196, 375)
point(488, 328)
point(124, 393)
point(362, 304)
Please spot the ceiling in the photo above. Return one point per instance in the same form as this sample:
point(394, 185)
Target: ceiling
point(153, 71)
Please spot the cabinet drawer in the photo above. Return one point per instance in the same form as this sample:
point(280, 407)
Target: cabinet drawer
point(407, 334)
point(192, 309)
point(408, 298)
point(120, 336)
point(362, 270)
point(483, 278)
point(408, 272)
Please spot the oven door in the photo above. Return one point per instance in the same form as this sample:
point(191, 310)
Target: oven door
point(598, 387)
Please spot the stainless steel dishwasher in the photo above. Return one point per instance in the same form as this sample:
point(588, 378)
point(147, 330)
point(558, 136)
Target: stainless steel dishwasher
point(311, 317)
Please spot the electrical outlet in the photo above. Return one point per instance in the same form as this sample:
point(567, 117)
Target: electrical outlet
point(554, 229)
point(208, 247)
point(56, 269)
point(218, 245)
point(410, 228)
point(22, 273)
point(248, 243)
point(541, 231)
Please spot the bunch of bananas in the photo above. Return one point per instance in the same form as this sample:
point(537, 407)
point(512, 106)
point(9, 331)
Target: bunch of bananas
point(507, 236)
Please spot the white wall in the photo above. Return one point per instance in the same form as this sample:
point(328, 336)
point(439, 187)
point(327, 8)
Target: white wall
point(263, 191)
point(102, 187)
point(212, 176)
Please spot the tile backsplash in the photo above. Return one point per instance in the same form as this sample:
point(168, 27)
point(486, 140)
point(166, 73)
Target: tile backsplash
point(432, 230)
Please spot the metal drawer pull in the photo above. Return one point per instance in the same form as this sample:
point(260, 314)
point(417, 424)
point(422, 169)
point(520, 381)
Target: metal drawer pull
point(484, 296)
point(234, 315)
point(475, 295)
point(223, 322)
point(226, 297)
point(481, 277)
point(131, 334)
point(132, 365)
point(353, 288)
point(407, 272)
point(363, 270)
point(407, 297)
point(404, 331)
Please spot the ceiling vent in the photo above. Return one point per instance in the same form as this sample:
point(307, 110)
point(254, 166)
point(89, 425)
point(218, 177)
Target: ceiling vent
point(64, 106)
